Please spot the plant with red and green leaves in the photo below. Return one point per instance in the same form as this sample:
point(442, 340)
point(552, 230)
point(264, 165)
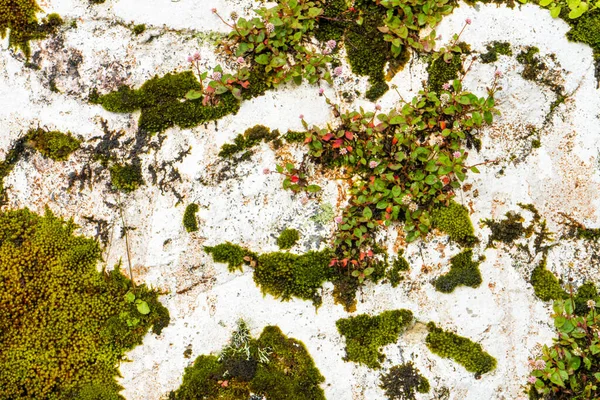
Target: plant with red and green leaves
point(295, 179)
point(401, 165)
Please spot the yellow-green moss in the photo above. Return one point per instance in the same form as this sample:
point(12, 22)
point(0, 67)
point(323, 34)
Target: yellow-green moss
point(126, 177)
point(455, 221)
point(53, 144)
point(545, 284)
point(64, 326)
point(246, 141)
point(20, 17)
point(163, 104)
point(463, 272)
point(139, 29)
point(402, 381)
point(365, 335)
point(273, 366)
point(460, 349)
point(288, 238)
point(495, 48)
point(230, 254)
point(394, 274)
point(189, 218)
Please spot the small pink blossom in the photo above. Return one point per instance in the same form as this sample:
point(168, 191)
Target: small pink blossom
point(456, 154)
point(304, 200)
point(241, 60)
point(321, 91)
point(531, 379)
point(266, 171)
point(301, 116)
point(377, 107)
point(373, 164)
point(190, 59)
point(338, 71)
point(539, 364)
point(214, 10)
point(197, 56)
point(269, 27)
point(446, 86)
point(326, 51)
point(498, 73)
point(338, 219)
point(217, 76)
point(343, 151)
point(468, 21)
point(331, 44)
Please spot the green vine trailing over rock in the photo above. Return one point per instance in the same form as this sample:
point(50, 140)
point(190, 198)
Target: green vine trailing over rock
point(273, 365)
point(64, 326)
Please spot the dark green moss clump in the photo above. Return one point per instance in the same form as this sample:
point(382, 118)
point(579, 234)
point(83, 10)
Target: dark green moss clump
point(231, 254)
point(288, 238)
point(394, 274)
point(189, 218)
point(460, 349)
point(126, 177)
point(55, 145)
point(64, 325)
point(274, 366)
point(455, 221)
point(163, 104)
point(366, 334)
point(507, 230)
point(139, 29)
point(586, 29)
point(587, 291)
point(495, 48)
point(532, 65)
point(403, 381)
point(245, 142)
point(545, 284)
point(285, 275)
point(441, 72)
point(20, 17)
point(463, 272)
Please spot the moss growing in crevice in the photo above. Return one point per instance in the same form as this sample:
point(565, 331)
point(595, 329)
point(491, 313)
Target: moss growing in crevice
point(78, 322)
point(394, 274)
point(545, 284)
point(189, 218)
point(532, 65)
point(494, 49)
point(246, 141)
point(288, 238)
point(53, 144)
point(126, 177)
point(163, 103)
point(463, 272)
point(20, 17)
point(272, 366)
point(455, 221)
point(138, 29)
point(365, 335)
point(402, 381)
point(460, 349)
point(507, 230)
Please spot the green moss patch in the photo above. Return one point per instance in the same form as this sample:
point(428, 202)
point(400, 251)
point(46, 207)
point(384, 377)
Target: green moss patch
point(53, 144)
point(394, 273)
point(126, 177)
point(365, 335)
point(231, 254)
point(441, 72)
point(494, 49)
point(288, 238)
point(463, 272)
point(402, 381)
point(20, 17)
point(533, 67)
point(455, 221)
point(64, 325)
point(272, 366)
point(507, 230)
point(545, 284)
point(163, 103)
point(189, 218)
point(244, 143)
point(460, 349)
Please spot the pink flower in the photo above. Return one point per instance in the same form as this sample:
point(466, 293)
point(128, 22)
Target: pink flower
point(301, 116)
point(539, 364)
point(217, 76)
point(498, 73)
point(468, 21)
point(377, 107)
point(343, 151)
point(321, 91)
point(446, 86)
point(373, 164)
point(241, 60)
point(331, 44)
point(338, 219)
point(190, 59)
point(266, 171)
point(197, 56)
point(338, 71)
point(326, 51)
point(456, 154)
point(531, 379)
point(214, 10)
point(269, 27)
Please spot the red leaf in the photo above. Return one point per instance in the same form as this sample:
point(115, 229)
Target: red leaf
point(245, 84)
point(354, 262)
point(345, 262)
point(327, 137)
point(394, 140)
point(370, 253)
point(362, 256)
point(210, 89)
point(294, 179)
point(443, 124)
point(337, 143)
point(349, 135)
point(349, 148)
point(230, 81)
point(333, 262)
point(308, 139)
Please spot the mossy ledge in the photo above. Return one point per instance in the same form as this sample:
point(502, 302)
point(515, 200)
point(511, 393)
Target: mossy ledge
point(52, 293)
point(463, 272)
point(365, 335)
point(460, 349)
point(272, 366)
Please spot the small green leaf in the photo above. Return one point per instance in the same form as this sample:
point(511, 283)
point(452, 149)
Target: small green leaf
point(193, 94)
point(129, 297)
point(142, 307)
point(367, 213)
point(313, 188)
